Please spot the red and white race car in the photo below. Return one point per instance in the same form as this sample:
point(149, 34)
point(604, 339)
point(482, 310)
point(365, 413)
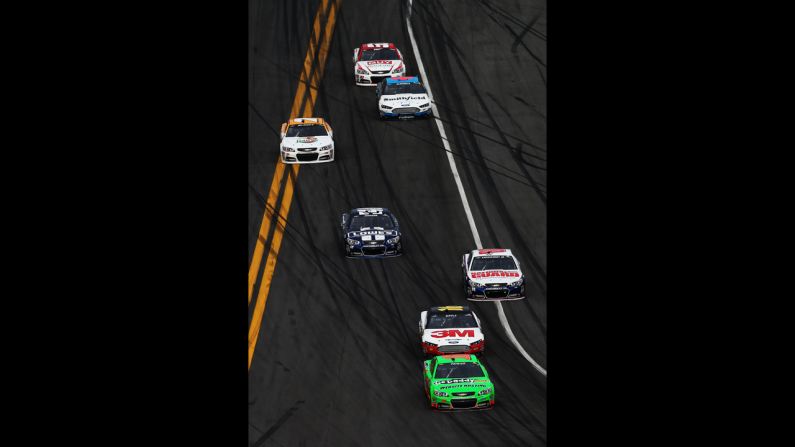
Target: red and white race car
point(492, 274)
point(450, 330)
point(373, 62)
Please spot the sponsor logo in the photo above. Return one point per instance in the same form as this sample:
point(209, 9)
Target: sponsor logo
point(446, 308)
point(495, 274)
point(453, 333)
point(403, 98)
point(457, 381)
point(307, 140)
point(486, 251)
point(379, 62)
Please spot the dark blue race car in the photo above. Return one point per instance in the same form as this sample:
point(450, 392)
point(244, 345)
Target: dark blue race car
point(371, 232)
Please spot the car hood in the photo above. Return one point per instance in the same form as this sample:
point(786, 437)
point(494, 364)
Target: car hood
point(457, 385)
point(301, 142)
point(365, 234)
point(404, 100)
point(379, 65)
point(452, 336)
point(495, 276)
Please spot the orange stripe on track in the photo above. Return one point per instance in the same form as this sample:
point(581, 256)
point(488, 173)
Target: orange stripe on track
point(284, 208)
point(275, 190)
point(270, 264)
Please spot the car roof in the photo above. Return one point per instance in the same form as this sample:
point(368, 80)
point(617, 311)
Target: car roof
point(402, 80)
point(457, 358)
point(299, 121)
point(450, 309)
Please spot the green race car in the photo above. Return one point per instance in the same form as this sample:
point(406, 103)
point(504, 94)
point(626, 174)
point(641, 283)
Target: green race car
point(457, 381)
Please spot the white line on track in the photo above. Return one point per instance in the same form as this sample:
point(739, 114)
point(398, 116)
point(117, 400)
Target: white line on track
point(460, 186)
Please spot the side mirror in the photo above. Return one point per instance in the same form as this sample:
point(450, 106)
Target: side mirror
point(344, 220)
point(283, 131)
point(355, 54)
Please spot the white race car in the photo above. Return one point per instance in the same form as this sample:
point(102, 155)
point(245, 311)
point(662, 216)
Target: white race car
point(402, 97)
point(450, 330)
point(375, 61)
point(492, 274)
point(307, 140)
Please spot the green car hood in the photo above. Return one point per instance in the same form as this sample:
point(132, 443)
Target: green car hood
point(461, 385)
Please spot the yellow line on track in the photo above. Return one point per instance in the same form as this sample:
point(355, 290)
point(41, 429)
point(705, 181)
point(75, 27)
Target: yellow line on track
point(284, 208)
point(278, 174)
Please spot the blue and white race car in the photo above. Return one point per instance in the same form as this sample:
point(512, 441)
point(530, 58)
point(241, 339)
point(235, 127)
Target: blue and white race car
point(371, 232)
point(402, 97)
point(492, 274)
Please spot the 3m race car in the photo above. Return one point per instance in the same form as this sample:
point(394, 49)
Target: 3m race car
point(375, 61)
point(307, 140)
point(371, 232)
point(402, 97)
point(450, 329)
point(492, 275)
point(457, 381)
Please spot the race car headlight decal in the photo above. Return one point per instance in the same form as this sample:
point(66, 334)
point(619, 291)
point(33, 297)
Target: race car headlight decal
point(352, 242)
point(287, 149)
point(475, 284)
point(427, 104)
point(484, 392)
point(440, 393)
point(325, 148)
point(361, 71)
point(517, 283)
point(398, 68)
point(394, 240)
point(386, 107)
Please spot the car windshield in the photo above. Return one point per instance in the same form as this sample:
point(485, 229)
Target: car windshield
point(306, 130)
point(458, 370)
point(389, 54)
point(493, 263)
point(456, 320)
point(382, 221)
point(398, 89)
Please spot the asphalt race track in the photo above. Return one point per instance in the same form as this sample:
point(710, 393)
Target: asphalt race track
point(337, 361)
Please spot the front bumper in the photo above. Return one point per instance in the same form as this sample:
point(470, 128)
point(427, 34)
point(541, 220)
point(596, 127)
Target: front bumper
point(298, 157)
point(373, 251)
point(421, 113)
point(462, 403)
point(373, 79)
point(432, 349)
point(487, 293)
